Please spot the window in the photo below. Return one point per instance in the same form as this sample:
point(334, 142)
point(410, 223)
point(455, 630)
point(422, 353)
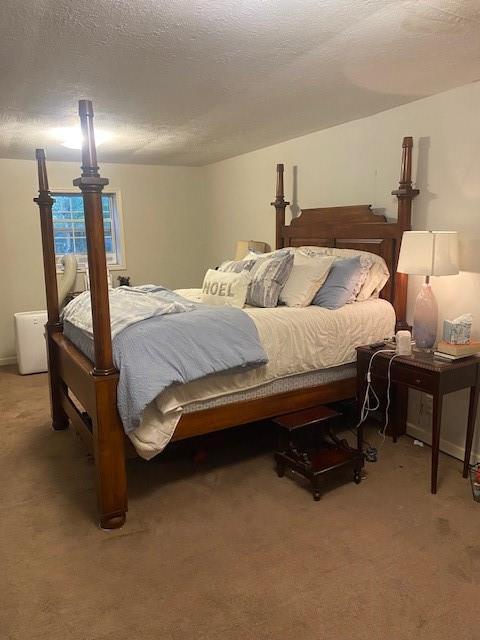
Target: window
point(69, 227)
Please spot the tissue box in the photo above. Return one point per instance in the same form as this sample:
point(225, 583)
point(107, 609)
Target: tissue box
point(457, 332)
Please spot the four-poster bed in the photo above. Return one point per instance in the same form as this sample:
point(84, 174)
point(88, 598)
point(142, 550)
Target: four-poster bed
point(84, 392)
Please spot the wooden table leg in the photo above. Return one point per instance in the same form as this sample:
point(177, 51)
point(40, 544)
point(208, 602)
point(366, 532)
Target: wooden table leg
point(398, 410)
point(360, 438)
point(436, 424)
point(472, 416)
point(316, 488)
point(361, 390)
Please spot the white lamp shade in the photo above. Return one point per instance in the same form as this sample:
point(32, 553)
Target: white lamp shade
point(429, 253)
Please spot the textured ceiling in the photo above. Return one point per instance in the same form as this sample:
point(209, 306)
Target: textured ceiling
point(194, 81)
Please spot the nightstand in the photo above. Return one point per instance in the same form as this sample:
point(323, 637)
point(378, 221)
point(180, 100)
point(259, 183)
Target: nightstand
point(424, 372)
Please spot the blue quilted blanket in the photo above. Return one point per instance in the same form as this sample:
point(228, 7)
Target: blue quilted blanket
point(177, 348)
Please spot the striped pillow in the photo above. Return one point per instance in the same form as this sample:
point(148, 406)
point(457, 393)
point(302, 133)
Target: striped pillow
point(268, 276)
point(237, 266)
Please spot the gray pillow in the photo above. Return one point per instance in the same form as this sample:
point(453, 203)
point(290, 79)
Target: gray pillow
point(269, 275)
point(340, 285)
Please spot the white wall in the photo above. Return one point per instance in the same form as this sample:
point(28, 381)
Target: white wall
point(359, 162)
point(163, 221)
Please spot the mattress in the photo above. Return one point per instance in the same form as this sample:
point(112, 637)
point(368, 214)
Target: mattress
point(299, 342)
point(281, 385)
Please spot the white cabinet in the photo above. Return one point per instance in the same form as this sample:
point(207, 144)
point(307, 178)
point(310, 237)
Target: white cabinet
point(30, 341)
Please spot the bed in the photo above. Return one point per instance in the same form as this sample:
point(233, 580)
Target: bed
point(305, 347)
point(83, 379)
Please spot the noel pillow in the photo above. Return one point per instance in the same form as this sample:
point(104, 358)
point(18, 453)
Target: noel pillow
point(228, 289)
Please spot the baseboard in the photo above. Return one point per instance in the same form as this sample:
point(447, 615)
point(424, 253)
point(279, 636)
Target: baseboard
point(8, 360)
point(445, 445)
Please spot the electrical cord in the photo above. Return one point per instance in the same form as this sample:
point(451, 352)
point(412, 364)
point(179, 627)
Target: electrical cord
point(387, 408)
point(368, 407)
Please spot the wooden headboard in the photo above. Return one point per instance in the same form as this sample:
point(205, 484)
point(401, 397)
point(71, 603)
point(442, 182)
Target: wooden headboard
point(356, 227)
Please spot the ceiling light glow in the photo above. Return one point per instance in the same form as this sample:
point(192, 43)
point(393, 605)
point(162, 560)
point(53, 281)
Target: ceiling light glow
point(71, 137)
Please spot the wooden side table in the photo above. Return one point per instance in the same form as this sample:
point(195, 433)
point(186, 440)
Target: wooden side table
point(424, 372)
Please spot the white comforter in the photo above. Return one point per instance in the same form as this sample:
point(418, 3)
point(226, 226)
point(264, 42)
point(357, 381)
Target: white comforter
point(296, 340)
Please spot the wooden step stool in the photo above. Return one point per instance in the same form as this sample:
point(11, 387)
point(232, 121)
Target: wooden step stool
point(308, 446)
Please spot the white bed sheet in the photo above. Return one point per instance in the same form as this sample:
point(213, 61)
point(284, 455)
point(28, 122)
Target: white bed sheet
point(296, 340)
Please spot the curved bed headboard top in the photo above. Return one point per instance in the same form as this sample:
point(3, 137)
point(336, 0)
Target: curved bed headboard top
point(355, 227)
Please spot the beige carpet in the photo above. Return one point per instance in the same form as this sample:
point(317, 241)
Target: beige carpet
point(225, 549)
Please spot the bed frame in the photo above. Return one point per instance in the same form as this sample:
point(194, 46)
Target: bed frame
point(84, 393)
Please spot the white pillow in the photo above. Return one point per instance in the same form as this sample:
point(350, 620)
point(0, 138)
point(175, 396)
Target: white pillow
point(378, 274)
point(366, 264)
point(229, 289)
point(307, 276)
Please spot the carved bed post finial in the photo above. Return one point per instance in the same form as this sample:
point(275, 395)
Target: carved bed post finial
point(405, 194)
point(280, 205)
point(45, 203)
point(91, 185)
point(89, 151)
point(406, 169)
point(42, 171)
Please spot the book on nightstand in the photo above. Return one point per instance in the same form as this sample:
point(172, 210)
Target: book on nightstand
point(450, 351)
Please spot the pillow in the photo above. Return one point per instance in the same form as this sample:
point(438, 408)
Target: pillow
point(365, 264)
point(305, 279)
point(376, 279)
point(253, 255)
point(340, 284)
point(246, 263)
point(269, 276)
point(268, 271)
point(377, 276)
point(220, 288)
point(237, 266)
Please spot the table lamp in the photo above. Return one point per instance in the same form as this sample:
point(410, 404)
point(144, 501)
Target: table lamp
point(427, 253)
point(244, 246)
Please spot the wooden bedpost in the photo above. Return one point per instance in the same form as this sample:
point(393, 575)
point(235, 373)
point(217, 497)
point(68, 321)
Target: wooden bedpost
point(108, 434)
point(405, 194)
point(54, 325)
point(45, 203)
point(91, 185)
point(280, 205)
